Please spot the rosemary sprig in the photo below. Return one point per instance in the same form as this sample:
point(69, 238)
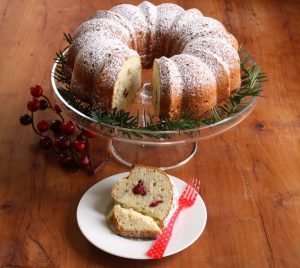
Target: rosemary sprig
point(114, 117)
point(60, 72)
point(68, 38)
point(251, 86)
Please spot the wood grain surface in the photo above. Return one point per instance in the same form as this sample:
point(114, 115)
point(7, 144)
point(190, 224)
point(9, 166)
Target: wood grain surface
point(250, 175)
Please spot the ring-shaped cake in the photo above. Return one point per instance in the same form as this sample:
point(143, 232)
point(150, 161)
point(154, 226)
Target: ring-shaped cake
point(195, 60)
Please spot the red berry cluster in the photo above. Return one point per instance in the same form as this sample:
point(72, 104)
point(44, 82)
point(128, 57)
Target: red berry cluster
point(72, 149)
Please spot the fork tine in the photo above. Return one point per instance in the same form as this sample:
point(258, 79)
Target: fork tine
point(185, 190)
point(191, 181)
point(191, 193)
point(187, 187)
point(195, 194)
point(197, 185)
point(192, 188)
point(188, 191)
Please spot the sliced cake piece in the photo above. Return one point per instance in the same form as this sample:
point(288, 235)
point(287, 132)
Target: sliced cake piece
point(166, 88)
point(147, 190)
point(129, 223)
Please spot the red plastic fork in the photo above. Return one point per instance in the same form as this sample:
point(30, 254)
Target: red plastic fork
point(187, 199)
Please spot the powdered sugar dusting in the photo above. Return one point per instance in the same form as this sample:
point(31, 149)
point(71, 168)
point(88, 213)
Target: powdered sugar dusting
point(207, 53)
point(220, 70)
point(193, 72)
point(166, 14)
point(216, 46)
point(101, 27)
point(181, 22)
point(138, 21)
point(150, 13)
point(119, 20)
point(200, 27)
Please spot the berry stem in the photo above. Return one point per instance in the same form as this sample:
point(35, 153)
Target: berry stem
point(34, 128)
point(80, 128)
point(55, 150)
point(87, 150)
point(51, 107)
point(46, 98)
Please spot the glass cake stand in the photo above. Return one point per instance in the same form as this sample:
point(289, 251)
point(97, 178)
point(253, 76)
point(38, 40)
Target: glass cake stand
point(163, 149)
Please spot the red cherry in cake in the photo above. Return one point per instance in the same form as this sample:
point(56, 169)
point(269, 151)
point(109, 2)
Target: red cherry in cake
point(155, 203)
point(43, 104)
point(33, 105)
point(89, 134)
point(83, 161)
point(79, 145)
point(36, 91)
point(139, 188)
point(45, 143)
point(57, 108)
point(68, 128)
point(62, 142)
point(25, 119)
point(42, 126)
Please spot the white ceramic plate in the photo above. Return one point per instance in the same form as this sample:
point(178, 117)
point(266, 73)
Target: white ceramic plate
point(96, 203)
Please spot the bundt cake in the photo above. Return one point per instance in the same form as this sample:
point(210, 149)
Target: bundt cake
point(144, 202)
point(195, 60)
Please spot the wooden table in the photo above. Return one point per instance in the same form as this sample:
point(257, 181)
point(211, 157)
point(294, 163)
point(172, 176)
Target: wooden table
point(250, 175)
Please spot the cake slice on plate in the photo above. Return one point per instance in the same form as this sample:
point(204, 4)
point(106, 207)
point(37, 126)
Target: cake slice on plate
point(145, 200)
point(130, 223)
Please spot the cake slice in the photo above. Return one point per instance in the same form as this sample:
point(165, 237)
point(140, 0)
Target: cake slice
point(129, 223)
point(147, 190)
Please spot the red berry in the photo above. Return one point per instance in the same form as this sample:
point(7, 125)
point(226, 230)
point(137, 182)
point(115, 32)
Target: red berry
point(139, 188)
point(55, 126)
point(43, 104)
point(79, 145)
point(33, 105)
point(36, 91)
point(65, 159)
point(25, 119)
point(68, 128)
point(57, 108)
point(62, 142)
point(89, 134)
point(155, 203)
point(45, 143)
point(83, 161)
point(42, 126)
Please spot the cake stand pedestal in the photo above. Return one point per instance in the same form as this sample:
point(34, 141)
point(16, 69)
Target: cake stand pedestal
point(172, 156)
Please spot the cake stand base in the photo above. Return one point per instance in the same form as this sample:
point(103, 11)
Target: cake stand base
point(162, 156)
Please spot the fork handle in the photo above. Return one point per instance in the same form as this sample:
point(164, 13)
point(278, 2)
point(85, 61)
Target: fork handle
point(158, 248)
